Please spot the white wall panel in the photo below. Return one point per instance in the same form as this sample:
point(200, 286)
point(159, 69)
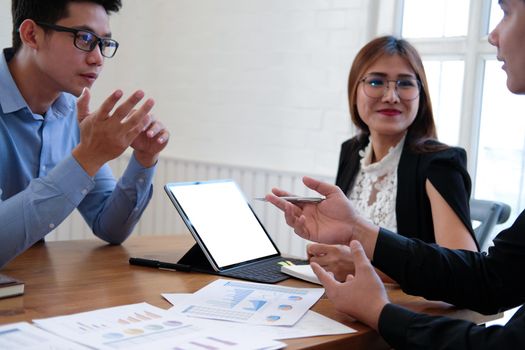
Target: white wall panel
point(161, 218)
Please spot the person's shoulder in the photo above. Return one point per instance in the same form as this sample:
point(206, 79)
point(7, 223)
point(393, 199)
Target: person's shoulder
point(440, 152)
point(435, 148)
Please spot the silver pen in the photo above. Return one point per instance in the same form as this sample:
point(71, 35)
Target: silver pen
point(297, 199)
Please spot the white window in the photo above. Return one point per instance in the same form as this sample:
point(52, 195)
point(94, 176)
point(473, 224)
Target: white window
point(435, 19)
point(472, 106)
point(445, 80)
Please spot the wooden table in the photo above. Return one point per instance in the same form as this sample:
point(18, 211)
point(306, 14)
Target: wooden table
point(74, 276)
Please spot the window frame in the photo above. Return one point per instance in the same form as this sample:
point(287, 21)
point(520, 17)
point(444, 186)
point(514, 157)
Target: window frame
point(473, 49)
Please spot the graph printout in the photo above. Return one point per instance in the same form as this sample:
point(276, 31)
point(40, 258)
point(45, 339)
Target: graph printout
point(247, 302)
point(310, 325)
point(24, 336)
point(143, 326)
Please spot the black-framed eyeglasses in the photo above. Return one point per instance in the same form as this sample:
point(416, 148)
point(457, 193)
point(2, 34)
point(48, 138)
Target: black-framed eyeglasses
point(406, 88)
point(86, 40)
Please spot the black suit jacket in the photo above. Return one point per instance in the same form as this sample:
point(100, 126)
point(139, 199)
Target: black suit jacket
point(446, 170)
point(481, 282)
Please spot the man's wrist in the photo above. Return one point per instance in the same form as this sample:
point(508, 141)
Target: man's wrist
point(145, 159)
point(366, 233)
point(375, 313)
point(89, 163)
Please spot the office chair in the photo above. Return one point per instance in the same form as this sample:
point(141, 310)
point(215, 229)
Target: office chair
point(489, 214)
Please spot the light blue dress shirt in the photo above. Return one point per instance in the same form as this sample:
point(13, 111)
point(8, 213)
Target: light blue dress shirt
point(41, 183)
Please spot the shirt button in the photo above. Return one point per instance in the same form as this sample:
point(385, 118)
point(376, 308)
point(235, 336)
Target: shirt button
point(51, 225)
point(84, 191)
point(141, 180)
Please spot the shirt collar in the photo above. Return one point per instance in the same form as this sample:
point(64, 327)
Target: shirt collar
point(11, 100)
point(389, 162)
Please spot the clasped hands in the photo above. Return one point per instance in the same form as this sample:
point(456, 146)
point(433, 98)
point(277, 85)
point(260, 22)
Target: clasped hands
point(362, 294)
point(107, 132)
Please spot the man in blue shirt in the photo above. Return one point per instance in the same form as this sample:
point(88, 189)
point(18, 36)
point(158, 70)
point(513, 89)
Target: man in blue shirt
point(53, 149)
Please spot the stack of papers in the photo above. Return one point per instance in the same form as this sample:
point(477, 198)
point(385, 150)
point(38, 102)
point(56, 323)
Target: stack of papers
point(273, 311)
point(223, 315)
point(143, 326)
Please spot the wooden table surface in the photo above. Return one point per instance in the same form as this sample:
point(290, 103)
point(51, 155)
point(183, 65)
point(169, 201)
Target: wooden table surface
point(68, 277)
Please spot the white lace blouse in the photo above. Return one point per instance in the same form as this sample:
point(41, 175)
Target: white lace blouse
point(375, 187)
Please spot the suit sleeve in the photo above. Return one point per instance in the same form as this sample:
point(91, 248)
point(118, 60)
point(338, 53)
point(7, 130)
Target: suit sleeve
point(484, 283)
point(404, 329)
point(480, 282)
point(448, 174)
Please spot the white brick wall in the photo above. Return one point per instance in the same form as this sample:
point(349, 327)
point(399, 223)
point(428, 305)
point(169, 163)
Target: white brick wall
point(245, 82)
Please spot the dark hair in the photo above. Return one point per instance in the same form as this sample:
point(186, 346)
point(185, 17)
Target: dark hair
point(49, 11)
point(423, 127)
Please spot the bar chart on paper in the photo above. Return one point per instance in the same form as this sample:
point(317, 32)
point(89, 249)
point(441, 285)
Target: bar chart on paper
point(90, 323)
point(248, 302)
point(231, 298)
point(118, 327)
point(23, 335)
point(143, 326)
point(138, 317)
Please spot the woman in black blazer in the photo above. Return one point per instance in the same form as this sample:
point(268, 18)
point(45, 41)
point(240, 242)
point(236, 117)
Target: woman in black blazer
point(394, 171)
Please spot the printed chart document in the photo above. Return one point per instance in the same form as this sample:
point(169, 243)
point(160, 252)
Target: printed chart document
point(247, 302)
point(310, 325)
point(143, 326)
point(23, 335)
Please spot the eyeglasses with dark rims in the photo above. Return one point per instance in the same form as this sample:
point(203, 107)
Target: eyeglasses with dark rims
point(86, 40)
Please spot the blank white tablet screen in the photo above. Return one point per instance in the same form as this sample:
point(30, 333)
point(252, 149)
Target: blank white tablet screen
point(224, 222)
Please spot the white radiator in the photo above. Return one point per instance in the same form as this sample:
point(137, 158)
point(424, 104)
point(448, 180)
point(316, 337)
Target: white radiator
point(161, 218)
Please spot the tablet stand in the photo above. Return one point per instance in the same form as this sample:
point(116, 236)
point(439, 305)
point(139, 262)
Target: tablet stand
point(197, 260)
